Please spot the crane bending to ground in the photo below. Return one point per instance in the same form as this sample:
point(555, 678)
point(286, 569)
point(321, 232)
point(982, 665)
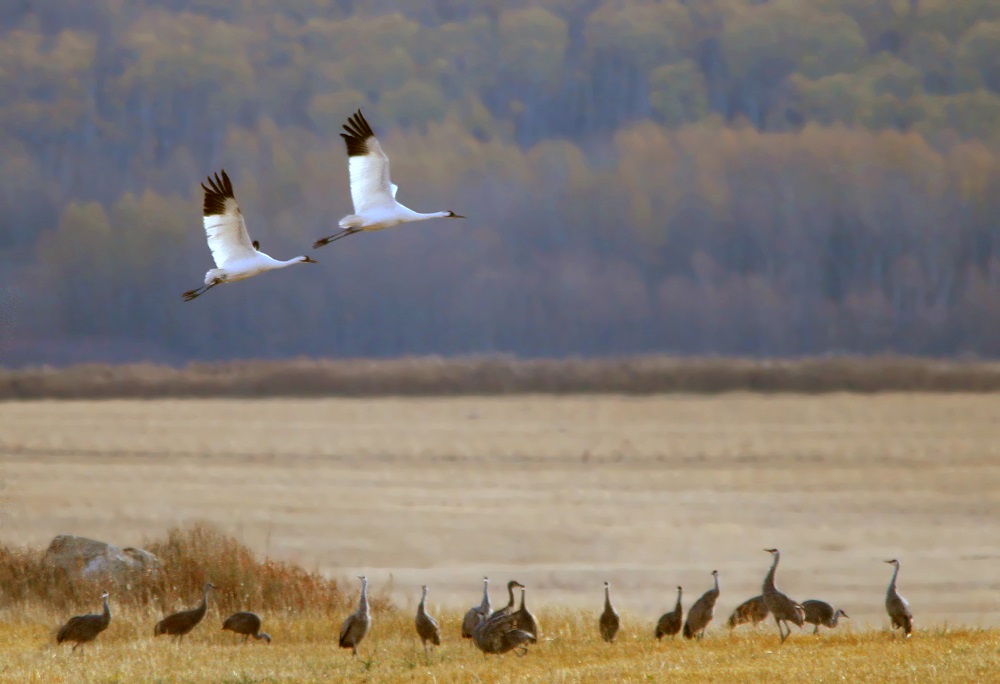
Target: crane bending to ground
point(247, 624)
point(372, 192)
point(82, 629)
point(822, 613)
point(897, 606)
point(783, 609)
point(235, 256)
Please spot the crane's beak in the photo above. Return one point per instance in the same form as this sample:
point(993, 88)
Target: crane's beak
point(309, 260)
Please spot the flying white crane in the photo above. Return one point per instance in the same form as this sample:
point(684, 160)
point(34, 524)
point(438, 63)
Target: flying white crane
point(236, 258)
point(373, 194)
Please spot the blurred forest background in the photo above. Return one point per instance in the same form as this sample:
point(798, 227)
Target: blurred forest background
point(745, 177)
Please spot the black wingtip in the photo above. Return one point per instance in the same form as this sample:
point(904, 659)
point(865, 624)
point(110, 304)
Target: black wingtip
point(217, 192)
point(357, 135)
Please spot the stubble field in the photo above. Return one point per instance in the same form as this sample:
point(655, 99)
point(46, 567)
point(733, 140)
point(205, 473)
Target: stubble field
point(560, 493)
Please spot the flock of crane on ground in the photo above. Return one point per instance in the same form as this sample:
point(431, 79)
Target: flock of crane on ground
point(372, 193)
point(507, 629)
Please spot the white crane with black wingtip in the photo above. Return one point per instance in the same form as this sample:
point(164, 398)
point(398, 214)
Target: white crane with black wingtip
point(372, 192)
point(235, 256)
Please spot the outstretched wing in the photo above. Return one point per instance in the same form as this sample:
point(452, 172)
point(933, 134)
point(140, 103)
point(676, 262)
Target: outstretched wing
point(224, 226)
point(368, 166)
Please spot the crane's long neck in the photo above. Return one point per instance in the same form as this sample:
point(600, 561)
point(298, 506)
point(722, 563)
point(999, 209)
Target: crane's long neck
point(285, 264)
point(679, 592)
point(522, 598)
point(484, 606)
point(716, 584)
point(510, 595)
point(892, 582)
point(769, 580)
point(607, 597)
point(417, 216)
point(363, 603)
point(423, 601)
point(107, 611)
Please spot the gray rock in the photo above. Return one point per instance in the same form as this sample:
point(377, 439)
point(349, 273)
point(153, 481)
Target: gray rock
point(90, 559)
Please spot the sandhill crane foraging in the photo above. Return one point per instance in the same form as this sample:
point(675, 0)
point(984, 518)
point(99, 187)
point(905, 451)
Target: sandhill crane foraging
point(783, 609)
point(477, 614)
point(670, 623)
point(427, 627)
point(82, 629)
point(373, 194)
point(526, 622)
point(821, 613)
point(897, 606)
point(702, 611)
point(183, 622)
point(609, 621)
point(235, 256)
point(752, 610)
point(247, 624)
point(499, 634)
point(356, 625)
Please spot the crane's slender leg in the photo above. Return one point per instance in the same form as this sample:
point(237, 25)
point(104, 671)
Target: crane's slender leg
point(816, 631)
point(333, 238)
point(197, 292)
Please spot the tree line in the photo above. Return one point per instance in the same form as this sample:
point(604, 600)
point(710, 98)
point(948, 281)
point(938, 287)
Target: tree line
point(729, 176)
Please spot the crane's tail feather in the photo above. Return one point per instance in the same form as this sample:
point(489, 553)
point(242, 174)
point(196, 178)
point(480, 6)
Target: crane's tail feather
point(351, 221)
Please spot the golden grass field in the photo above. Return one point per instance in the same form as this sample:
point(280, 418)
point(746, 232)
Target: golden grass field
point(560, 493)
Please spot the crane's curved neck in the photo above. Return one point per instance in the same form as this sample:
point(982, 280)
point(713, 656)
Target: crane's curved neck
point(107, 609)
point(607, 595)
point(485, 604)
point(716, 576)
point(769, 580)
point(363, 603)
point(510, 595)
point(895, 572)
point(522, 598)
point(417, 216)
point(423, 599)
point(679, 592)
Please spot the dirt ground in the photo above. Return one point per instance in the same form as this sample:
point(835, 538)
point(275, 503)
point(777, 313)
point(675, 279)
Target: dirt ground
point(560, 493)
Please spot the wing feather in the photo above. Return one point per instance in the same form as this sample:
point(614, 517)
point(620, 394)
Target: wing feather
point(368, 166)
point(224, 225)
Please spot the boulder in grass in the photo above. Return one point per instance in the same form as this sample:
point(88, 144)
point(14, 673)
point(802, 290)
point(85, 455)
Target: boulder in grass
point(86, 558)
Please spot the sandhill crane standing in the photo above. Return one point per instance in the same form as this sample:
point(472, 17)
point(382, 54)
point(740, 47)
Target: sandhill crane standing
point(752, 610)
point(427, 627)
point(821, 613)
point(373, 194)
point(183, 622)
point(247, 624)
point(500, 634)
point(235, 256)
point(82, 629)
point(783, 609)
point(477, 614)
point(509, 608)
point(670, 623)
point(609, 621)
point(701, 613)
point(356, 625)
point(897, 606)
point(526, 622)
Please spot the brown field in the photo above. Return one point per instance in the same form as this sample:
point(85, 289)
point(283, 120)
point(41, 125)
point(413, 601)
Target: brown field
point(558, 492)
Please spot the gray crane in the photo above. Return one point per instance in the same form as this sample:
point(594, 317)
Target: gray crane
point(670, 623)
point(356, 625)
point(783, 609)
point(822, 613)
point(752, 610)
point(82, 629)
point(247, 624)
point(526, 622)
point(500, 634)
point(427, 627)
point(897, 606)
point(184, 621)
point(609, 621)
point(701, 613)
point(477, 614)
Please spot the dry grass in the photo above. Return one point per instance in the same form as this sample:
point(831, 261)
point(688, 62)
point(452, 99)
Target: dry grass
point(434, 376)
point(304, 650)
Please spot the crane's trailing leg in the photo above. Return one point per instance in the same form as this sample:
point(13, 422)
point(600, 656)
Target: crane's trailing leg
point(193, 294)
point(333, 238)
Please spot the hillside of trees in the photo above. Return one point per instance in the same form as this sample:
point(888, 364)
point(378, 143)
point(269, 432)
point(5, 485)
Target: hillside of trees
point(737, 177)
